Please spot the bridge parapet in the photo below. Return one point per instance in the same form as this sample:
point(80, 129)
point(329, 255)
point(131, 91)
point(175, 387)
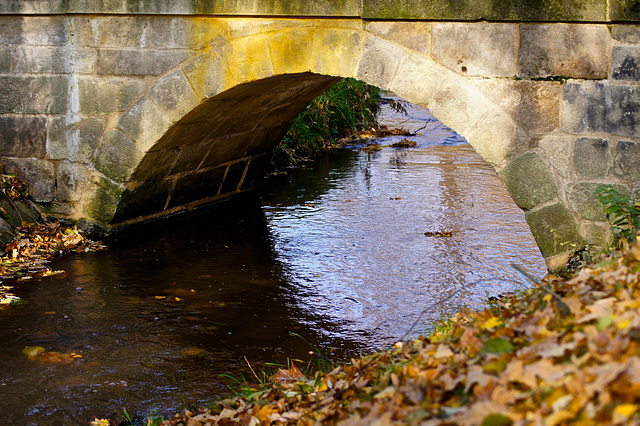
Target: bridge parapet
point(123, 118)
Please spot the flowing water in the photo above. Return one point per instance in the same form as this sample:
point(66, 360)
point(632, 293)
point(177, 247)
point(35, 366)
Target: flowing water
point(335, 252)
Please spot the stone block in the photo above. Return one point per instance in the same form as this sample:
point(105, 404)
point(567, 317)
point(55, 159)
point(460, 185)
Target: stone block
point(197, 186)
point(82, 60)
point(336, 51)
point(70, 181)
point(290, 51)
point(568, 50)
point(33, 95)
point(624, 10)
point(417, 79)
point(112, 31)
point(174, 96)
point(5, 60)
point(280, 8)
point(23, 136)
point(155, 165)
point(104, 95)
point(558, 151)
point(250, 58)
point(475, 49)
point(625, 61)
point(75, 142)
point(138, 62)
point(585, 202)
point(34, 30)
point(117, 156)
point(597, 234)
point(37, 60)
point(208, 74)
point(234, 176)
point(626, 160)
point(601, 107)
point(592, 158)
point(497, 138)
point(458, 104)
point(146, 199)
point(529, 181)
point(190, 157)
point(490, 10)
point(379, 62)
point(413, 35)
point(534, 105)
point(626, 33)
point(39, 175)
point(144, 123)
point(6, 233)
point(555, 230)
point(101, 198)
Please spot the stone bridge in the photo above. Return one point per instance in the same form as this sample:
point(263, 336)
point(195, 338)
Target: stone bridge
point(121, 111)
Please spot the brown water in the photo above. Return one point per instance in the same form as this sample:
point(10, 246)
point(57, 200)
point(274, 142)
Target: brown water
point(335, 252)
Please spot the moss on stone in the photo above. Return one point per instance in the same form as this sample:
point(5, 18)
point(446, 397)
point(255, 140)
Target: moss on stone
point(555, 230)
point(103, 196)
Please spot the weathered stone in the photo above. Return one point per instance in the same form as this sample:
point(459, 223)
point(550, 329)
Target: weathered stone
point(569, 50)
point(208, 74)
point(413, 35)
point(23, 136)
point(104, 95)
point(336, 52)
point(197, 186)
point(601, 107)
point(534, 105)
point(233, 178)
point(82, 60)
point(146, 199)
point(39, 175)
point(70, 181)
point(597, 234)
point(624, 10)
point(558, 152)
point(5, 60)
point(19, 212)
point(417, 79)
point(585, 202)
point(626, 160)
point(36, 60)
point(34, 30)
point(101, 199)
point(290, 51)
point(497, 138)
point(190, 157)
point(144, 123)
point(74, 141)
point(592, 158)
point(61, 209)
point(555, 230)
point(379, 62)
point(117, 156)
point(490, 10)
point(625, 61)
point(458, 104)
point(174, 96)
point(228, 148)
point(138, 62)
point(281, 8)
point(478, 49)
point(155, 165)
point(6, 232)
point(528, 181)
point(33, 95)
point(251, 59)
point(111, 31)
point(625, 33)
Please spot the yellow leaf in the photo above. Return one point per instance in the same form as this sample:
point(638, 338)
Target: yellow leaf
point(626, 410)
point(624, 324)
point(160, 297)
point(492, 322)
point(547, 298)
point(177, 299)
point(50, 312)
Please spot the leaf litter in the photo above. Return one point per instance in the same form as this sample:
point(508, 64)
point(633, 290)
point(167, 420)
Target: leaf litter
point(524, 360)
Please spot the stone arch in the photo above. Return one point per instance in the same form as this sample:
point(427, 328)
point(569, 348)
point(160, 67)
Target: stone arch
point(186, 106)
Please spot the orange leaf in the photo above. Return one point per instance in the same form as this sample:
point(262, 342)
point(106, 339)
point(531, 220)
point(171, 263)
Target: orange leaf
point(293, 375)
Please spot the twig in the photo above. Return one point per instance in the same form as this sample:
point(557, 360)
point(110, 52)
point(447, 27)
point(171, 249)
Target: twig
point(562, 307)
point(251, 368)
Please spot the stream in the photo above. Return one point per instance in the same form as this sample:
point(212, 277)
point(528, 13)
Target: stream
point(333, 256)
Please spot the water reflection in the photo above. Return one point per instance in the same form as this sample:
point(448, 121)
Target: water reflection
point(335, 252)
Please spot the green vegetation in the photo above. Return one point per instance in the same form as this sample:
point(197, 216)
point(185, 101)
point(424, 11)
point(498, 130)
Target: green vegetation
point(623, 214)
point(347, 107)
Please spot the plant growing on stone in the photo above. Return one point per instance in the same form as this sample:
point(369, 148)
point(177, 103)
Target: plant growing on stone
point(347, 107)
point(622, 213)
